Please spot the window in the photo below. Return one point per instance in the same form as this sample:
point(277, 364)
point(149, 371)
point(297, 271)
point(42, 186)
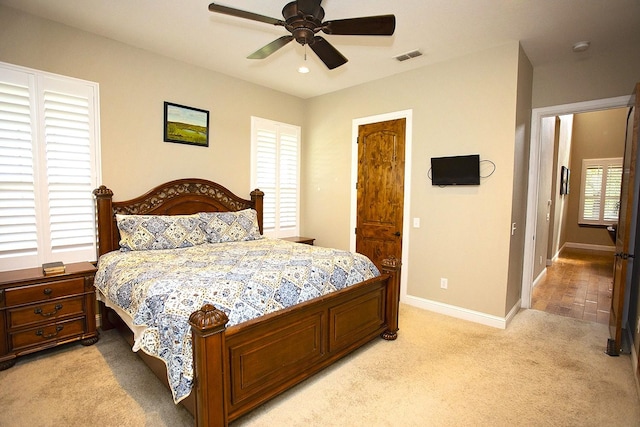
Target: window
point(600, 195)
point(48, 168)
point(275, 159)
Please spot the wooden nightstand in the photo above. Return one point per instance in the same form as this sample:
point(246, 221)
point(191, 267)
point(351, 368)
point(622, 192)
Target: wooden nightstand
point(39, 312)
point(300, 239)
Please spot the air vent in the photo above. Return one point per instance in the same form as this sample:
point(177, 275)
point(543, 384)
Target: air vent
point(408, 55)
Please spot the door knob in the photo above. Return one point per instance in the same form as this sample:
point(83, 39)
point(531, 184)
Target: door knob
point(397, 233)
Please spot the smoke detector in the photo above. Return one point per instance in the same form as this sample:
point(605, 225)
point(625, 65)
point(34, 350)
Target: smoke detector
point(581, 46)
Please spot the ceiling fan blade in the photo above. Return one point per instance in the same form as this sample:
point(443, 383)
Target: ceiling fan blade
point(327, 53)
point(270, 48)
point(382, 25)
point(242, 14)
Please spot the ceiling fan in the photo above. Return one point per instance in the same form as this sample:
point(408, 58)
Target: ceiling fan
point(303, 19)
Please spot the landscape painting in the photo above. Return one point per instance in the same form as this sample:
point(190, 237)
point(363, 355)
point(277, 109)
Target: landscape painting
point(186, 125)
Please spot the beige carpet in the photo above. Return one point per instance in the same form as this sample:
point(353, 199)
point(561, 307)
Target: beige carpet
point(544, 370)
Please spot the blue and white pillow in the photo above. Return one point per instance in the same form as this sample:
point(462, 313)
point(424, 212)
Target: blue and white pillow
point(230, 226)
point(145, 232)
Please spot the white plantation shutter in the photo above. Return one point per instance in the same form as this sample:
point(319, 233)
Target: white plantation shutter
point(613, 184)
point(592, 192)
point(18, 232)
point(600, 195)
point(288, 194)
point(48, 143)
point(275, 170)
point(265, 167)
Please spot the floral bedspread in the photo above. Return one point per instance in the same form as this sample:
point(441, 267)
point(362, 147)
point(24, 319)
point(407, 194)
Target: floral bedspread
point(159, 289)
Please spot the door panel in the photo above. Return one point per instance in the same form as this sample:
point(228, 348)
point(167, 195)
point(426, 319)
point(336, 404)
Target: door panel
point(627, 201)
point(381, 163)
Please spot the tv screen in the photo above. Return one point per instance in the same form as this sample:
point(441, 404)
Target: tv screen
point(456, 170)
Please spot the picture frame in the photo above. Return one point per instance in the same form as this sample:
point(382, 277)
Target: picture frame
point(564, 180)
point(186, 125)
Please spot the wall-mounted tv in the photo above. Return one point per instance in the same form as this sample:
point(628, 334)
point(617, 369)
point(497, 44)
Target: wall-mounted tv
point(456, 170)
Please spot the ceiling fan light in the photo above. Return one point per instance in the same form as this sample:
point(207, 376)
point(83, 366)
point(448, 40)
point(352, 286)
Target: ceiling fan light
point(303, 69)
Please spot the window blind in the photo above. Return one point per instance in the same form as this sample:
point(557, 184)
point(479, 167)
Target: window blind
point(69, 176)
point(48, 153)
point(600, 195)
point(275, 171)
point(18, 231)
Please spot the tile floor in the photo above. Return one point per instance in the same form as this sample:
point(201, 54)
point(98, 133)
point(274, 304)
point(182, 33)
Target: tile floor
point(578, 285)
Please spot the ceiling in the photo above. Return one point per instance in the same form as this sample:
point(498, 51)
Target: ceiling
point(440, 29)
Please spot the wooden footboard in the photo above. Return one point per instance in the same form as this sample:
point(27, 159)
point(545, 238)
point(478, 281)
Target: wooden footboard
point(241, 367)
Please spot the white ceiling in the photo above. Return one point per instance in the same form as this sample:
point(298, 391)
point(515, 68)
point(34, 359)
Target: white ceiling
point(441, 29)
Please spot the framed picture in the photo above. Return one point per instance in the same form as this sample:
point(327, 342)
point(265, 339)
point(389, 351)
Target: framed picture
point(186, 125)
point(564, 180)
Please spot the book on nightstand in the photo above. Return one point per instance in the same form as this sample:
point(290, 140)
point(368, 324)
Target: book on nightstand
point(50, 268)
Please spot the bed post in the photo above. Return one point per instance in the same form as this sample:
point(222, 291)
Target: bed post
point(104, 197)
point(104, 212)
point(257, 198)
point(207, 327)
point(391, 266)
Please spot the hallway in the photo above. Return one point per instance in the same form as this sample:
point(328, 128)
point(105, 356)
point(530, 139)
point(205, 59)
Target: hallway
point(577, 285)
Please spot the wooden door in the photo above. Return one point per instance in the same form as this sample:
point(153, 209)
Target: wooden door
point(380, 204)
point(622, 257)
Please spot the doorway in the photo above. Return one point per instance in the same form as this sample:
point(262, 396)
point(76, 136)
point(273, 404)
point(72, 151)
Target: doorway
point(407, 115)
point(535, 160)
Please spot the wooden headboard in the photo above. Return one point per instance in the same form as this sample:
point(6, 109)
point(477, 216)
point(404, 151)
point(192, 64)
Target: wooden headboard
point(179, 197)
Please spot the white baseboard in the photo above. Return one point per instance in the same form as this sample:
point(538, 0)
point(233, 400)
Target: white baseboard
point(463, 313)
point(538, 279)
point(603, 248)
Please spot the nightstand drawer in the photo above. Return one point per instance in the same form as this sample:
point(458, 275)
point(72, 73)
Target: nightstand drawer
point(45, 291)
point(52, 332)
point(45, 311)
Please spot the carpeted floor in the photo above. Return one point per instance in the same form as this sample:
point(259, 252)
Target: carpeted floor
point(544, 370)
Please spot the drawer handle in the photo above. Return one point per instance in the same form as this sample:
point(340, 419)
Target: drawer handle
point(40, 332)
point(47, 291)
point(57, 308)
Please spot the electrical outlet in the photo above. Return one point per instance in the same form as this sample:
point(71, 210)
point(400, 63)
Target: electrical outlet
point(444, 283)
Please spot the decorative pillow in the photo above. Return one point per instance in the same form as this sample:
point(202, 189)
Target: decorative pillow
point(144, 232)
point(230, 226)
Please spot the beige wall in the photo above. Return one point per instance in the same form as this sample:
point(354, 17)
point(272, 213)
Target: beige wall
point(520, 180)
point(463, 106)
point(558, 235)
point(585, 77)
point(595, 135)
point(133, 87)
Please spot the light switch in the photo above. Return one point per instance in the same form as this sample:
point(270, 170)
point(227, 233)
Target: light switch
point(416, 222)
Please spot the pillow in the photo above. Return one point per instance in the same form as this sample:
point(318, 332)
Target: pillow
point(144, 232)
point(230, 226)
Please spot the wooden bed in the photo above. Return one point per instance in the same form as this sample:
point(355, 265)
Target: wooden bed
point(238, 368)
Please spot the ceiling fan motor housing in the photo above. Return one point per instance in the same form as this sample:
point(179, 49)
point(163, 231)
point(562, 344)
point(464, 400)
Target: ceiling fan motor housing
point(303, 25)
